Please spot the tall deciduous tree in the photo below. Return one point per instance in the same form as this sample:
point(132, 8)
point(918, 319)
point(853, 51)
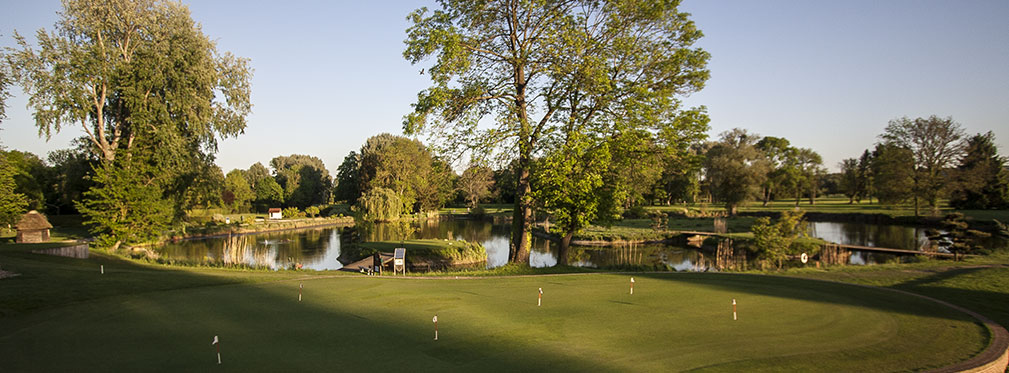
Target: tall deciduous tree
point(70, 176)
point(348, 179)
point(850, 179)
point(407, 168)
point(6, 79)
point(533, 65)
point(893, 173)
point(936, 143)
point(304, 178)
point(126, 69)
point(475, 183)
point(865, 176)
point(256, 173)
point(982, 180)
point(735, 169)
point(567, 185)
point(237, 194)
point(30, 177)
point(140, 78)
point(269, 194)
point(810, 165)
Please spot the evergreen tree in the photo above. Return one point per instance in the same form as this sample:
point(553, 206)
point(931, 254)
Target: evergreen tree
point(982, 180)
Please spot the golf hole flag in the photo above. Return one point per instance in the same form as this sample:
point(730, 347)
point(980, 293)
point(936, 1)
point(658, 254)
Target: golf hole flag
point(218, 343)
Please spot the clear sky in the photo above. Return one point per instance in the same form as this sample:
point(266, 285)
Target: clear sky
point(825, 75)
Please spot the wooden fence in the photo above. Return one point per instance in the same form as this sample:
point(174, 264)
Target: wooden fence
point(76, 251)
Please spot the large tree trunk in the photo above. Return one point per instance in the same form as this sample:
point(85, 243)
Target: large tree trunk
point(522, 216)
point(731, 208)
point(522, 221)
point(562, 252)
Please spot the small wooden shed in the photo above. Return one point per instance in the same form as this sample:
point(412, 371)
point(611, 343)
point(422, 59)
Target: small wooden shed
point(33, 228)
point(275, 213)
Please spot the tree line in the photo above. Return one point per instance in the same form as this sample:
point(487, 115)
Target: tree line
point(922, 160)
point(570, 110)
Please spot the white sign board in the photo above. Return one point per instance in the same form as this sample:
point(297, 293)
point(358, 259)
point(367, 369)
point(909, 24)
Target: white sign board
point(398, 262)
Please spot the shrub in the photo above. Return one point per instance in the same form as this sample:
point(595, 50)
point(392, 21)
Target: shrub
point(773, 240)
point(312, 211)
point(636, 212)
point(292, 212)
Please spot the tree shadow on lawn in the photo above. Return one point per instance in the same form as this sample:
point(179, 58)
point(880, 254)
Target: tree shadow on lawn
point(991, 304)
point(139, 317)
point(874, 298)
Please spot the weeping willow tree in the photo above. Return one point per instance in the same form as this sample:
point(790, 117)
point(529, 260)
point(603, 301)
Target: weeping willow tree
point(379, 204)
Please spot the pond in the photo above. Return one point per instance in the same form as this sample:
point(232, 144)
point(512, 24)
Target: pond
point(319, 249)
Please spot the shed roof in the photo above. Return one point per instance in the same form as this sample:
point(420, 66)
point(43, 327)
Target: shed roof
point(33, 220)
point(274, 209)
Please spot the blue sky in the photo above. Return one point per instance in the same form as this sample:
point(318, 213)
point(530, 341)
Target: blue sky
point(825, 75)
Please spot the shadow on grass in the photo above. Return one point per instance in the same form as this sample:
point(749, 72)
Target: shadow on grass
point(62, 314)
point(954, 286)
point(817, 291)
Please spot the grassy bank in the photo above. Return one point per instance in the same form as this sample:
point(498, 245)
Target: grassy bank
point(423, 253)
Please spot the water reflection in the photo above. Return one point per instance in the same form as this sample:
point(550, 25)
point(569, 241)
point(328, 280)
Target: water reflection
point(319, 249)
point(314, 249)
point(878, 235)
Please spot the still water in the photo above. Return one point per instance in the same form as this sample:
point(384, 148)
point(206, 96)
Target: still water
point(319, 249)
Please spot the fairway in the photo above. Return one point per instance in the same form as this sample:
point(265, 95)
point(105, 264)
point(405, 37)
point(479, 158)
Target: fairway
point(588, 322)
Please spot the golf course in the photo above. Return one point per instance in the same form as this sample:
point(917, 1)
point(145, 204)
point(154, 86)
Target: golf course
point(113, 314)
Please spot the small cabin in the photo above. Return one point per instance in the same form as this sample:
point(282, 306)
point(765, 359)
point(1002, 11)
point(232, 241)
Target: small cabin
point(33, 228)
point(275, 213)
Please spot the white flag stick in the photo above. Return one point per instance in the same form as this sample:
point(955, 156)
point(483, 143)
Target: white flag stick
point(103, 269)
point(301, 286)
point(632, 285)
point(539, 300)
point(218, 343)
point(435, 320)
point(733, 309)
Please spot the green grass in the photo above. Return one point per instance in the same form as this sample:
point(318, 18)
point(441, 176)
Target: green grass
point(980, 284)
point(61, 314)
point(840, 205)
point(489, 209)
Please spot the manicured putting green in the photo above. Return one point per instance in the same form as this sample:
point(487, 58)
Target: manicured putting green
point(673, 322)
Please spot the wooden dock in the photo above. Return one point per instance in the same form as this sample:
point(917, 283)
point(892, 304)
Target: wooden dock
point(366, 264)
point(899, 251)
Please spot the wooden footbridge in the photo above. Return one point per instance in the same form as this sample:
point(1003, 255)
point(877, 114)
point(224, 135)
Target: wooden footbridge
point(693, 236)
